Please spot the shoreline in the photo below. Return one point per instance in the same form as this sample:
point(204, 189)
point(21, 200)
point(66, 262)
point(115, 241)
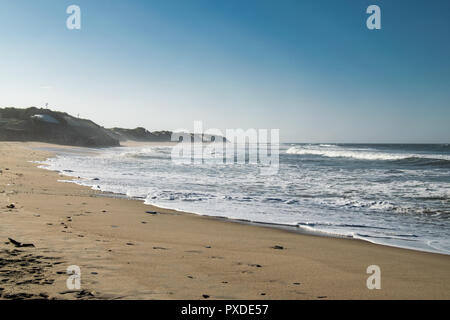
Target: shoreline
point(179, 255)
point(273, 225)
point(295, 228)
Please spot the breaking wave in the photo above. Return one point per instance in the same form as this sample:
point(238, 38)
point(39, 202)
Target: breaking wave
point(367, 155)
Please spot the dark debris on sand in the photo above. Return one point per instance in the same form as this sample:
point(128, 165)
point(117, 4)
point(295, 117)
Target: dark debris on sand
point(20, 244)
point(25, 276)
point(20, 270)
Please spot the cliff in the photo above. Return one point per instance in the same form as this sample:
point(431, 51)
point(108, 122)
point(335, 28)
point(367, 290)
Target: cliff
point(44, 125)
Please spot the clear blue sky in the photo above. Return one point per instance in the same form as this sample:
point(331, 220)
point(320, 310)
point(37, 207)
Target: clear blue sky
point(310, 68)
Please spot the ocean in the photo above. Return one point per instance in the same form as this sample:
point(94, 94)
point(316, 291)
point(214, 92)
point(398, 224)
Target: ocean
point(391, 194)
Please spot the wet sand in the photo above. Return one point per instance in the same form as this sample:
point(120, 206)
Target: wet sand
point(125, 252)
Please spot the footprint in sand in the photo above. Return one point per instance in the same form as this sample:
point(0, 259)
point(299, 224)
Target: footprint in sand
point(193, 251)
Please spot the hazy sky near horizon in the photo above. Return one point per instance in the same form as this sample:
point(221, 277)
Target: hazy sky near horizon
point(309, 68)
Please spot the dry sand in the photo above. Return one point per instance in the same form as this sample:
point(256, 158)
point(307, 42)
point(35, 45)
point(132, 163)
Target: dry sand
point(126, 253)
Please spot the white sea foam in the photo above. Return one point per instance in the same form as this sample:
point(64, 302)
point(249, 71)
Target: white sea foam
point(327, 145)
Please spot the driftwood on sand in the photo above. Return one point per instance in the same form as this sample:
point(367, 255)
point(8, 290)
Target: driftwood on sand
point(19, 244)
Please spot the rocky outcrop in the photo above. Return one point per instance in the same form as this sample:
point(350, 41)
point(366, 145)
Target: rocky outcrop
point(140, 134)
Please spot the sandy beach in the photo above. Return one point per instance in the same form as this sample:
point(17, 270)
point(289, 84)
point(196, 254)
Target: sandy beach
point(124, 252)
